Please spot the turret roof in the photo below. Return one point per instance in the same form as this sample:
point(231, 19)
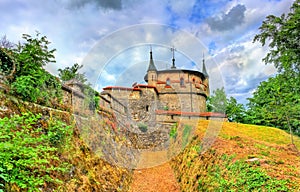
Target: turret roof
point(204, 67)
point(151, 63)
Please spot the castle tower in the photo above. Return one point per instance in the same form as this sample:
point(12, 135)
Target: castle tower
point(152, 71)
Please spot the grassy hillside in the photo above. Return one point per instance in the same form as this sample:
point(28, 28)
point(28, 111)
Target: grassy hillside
point(243, 157)
point(52, 154)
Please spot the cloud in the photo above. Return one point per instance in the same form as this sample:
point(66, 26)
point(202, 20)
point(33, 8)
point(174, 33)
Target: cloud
point(225, 27)
point(242, 68)
point(106, 4)
point(228, 21)
point(127, 50)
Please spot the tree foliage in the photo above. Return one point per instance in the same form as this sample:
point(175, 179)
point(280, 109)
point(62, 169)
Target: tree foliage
point(91, 96)
point(72, 72)
point(31, 81)
point(235, 111)
point(276, 102)
point(33, 55)
point(7, 62)
point(218, 101)
point(283, 35)
point(29, 151)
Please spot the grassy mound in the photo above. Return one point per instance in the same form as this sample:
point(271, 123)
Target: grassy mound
point(242, 158)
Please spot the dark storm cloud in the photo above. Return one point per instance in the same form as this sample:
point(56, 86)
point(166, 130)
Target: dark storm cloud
point(228, 21)
point(106, 4)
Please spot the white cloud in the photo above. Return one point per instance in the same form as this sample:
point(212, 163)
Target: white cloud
point(76, 31)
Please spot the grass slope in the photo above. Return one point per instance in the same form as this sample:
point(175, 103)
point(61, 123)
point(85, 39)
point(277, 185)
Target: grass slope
point(242, 158)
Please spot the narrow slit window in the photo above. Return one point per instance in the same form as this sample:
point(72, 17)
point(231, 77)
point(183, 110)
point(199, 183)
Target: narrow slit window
point(168, 82)
point(181, 82)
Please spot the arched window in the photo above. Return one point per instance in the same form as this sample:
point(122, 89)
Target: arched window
point(168, 82)
point(194, 80)
point(181, 82)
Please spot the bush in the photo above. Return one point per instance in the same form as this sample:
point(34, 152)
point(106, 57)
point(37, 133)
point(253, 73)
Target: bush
point(26, 88)
point(173, 132)
point(31, 82)
point(143, 127)
point(186, 134)
point(29, 151)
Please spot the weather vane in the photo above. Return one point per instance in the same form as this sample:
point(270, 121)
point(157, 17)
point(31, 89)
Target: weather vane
point(173, 60)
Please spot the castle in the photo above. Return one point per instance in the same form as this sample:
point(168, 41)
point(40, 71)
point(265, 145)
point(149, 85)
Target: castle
point(169, 94)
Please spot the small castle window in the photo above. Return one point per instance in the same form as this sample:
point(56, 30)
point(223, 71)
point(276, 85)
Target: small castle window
point(194, 80)
point(147, 108)
point(168, 82)
point(181, 82)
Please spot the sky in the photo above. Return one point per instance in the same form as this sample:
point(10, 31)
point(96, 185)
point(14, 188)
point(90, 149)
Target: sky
point(112, 38)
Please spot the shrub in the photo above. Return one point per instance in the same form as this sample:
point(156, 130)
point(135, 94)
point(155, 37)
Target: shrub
point(173, 132)
point(26, 88)
point(185, 134)
point(143, 127)
point(29, 151)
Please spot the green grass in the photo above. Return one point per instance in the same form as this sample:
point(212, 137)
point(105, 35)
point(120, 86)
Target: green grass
point(29, 151)
point(260, 133)
point(225, 166)
point(238, 176)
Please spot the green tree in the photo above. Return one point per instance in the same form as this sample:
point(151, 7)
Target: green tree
point(33, 55)
point(276, 102)
point(31, 81)
point(217, 102)
point(92, 97)
point(7, 62)
point(235, 111)
point(283, 35)
point(69, 73)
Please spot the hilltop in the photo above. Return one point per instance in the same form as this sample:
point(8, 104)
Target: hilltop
point(243, 157)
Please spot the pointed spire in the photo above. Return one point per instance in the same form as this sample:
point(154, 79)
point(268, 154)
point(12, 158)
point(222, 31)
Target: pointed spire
point(151, 63)
point(204, 67)
point(173, 60)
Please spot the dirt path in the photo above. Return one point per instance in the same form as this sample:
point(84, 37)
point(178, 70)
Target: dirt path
point(156, 179)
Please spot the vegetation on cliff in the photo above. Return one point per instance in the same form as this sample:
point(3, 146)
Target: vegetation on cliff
point(29, 151)
point(42, 149)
